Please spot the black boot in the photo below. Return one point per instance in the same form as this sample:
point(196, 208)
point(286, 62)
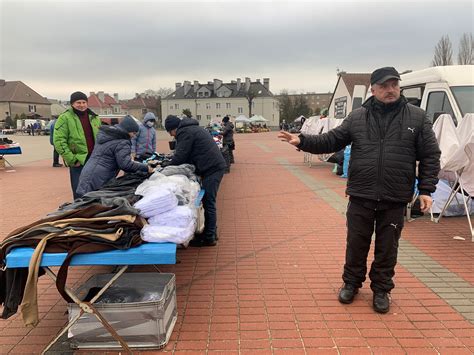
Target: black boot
point(347, 293)
point(381, 302)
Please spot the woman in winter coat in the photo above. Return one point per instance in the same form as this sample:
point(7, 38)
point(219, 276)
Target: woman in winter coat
point(111, 154)
point(144, 143)
point(228, 136)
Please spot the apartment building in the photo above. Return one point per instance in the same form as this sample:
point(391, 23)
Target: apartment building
point(216, 99)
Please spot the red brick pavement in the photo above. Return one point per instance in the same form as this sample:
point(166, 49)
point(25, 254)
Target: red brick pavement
point(270, 286)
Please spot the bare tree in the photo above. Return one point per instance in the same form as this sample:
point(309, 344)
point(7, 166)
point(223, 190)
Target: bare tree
point(161, 92)
point(250, 96)
point(466, 49)
point(443, 52)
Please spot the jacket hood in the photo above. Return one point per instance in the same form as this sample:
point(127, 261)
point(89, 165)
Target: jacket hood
point(185, 122)
point(150, 116)
point(108, 133)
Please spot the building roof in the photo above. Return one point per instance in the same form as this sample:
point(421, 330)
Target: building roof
point(353, 79)
point(258, 87)
point(17, 91)
point(95, 102)
point(142, 102)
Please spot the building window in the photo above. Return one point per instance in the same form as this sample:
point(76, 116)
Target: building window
point(198, 117)
point(227, 105)
point(206, 93)
point(116, 109)
point(218, 105)
point(200, 94)
point(32, 108)
point(208, 117)
point(240, 110)
point(176, 106)
point(208, 106)
point(218, 115)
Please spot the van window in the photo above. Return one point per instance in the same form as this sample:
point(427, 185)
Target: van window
point(413, 95)
point(356, 103)
point(464, 96)
point(438, 102)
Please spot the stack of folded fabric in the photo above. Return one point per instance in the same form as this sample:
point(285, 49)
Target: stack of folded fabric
point(156, 201)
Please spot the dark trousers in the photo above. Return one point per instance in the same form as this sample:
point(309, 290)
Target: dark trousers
point(74, 174)
point(388, 225)
point(210, 184)
point(55, 156)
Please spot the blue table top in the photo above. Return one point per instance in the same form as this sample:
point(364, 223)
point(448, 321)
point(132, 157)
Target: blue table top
point(145, 254)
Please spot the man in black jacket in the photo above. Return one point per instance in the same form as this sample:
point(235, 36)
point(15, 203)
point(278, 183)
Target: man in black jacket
point(388, 137)
point(194, 145)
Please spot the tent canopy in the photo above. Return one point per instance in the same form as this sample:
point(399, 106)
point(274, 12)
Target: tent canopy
point(242, 119)
point(257, 118)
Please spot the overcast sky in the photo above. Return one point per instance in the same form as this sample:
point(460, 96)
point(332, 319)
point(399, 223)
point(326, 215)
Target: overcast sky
point(127, 46)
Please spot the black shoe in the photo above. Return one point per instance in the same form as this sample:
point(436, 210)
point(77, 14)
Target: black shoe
point(381, 302)
point(57, 165)
point(198, 243)
point(347, 293)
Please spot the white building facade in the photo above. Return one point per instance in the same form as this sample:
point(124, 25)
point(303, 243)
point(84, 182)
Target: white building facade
point(212, 101)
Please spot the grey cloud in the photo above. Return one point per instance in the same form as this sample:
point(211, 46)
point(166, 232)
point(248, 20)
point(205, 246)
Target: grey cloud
point(132, 46)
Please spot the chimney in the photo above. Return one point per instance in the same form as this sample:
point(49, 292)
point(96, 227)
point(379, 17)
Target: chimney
point(101, 96)
point(187, 87)
point(2, 82)
point(217, 83)
point(116, 98)
point(178, 85)
point(209, 83)
point(196, 85)
point(232, 81)
point(266, 83)
point(258, 80)
point(247, 84)
point(238, 84)
point(137, 95)
point(91, 93)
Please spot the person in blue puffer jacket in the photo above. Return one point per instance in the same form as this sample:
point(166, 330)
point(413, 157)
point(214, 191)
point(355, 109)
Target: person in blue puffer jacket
point(144, 143)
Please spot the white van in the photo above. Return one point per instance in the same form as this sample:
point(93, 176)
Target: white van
point(437, 90)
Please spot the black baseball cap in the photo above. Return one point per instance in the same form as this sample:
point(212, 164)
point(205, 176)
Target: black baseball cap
point(381, 75)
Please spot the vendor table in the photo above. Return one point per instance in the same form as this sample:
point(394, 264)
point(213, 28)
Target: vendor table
point(144, 254)
point(7, 150)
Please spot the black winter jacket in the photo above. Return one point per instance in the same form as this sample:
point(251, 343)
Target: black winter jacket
point(228, 133)
point(110, 155)
point(385, 148)
point(194, 145)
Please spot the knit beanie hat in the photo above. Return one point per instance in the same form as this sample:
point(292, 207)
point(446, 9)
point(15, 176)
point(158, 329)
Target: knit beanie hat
point(128, 124)
point(76, 96)
point(171, 122)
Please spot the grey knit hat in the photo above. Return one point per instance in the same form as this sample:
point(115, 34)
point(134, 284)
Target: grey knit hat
point(128, 124)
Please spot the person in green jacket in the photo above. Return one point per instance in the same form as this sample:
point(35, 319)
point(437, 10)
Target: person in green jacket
point(74, 136)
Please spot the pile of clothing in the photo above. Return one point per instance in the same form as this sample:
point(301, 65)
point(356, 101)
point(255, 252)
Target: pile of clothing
point(102, 220)
point(168, 203)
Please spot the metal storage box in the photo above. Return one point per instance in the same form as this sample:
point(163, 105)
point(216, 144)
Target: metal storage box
point(147, 323)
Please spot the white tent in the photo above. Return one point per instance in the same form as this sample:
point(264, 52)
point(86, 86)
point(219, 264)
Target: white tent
point(299, 119)
point(258, 119)
point(457, 159)
point(242, 119)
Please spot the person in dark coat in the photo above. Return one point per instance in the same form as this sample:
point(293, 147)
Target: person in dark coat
point(388, 137)
point(56, 163)
point(194, 145)
point(228, 137)
point(111, 154)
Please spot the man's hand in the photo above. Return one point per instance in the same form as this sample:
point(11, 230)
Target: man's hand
point(425, 202)
point(151, 170)
point(290, 138)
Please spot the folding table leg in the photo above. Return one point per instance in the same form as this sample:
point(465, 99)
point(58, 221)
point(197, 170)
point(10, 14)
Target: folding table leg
point(87, 307)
